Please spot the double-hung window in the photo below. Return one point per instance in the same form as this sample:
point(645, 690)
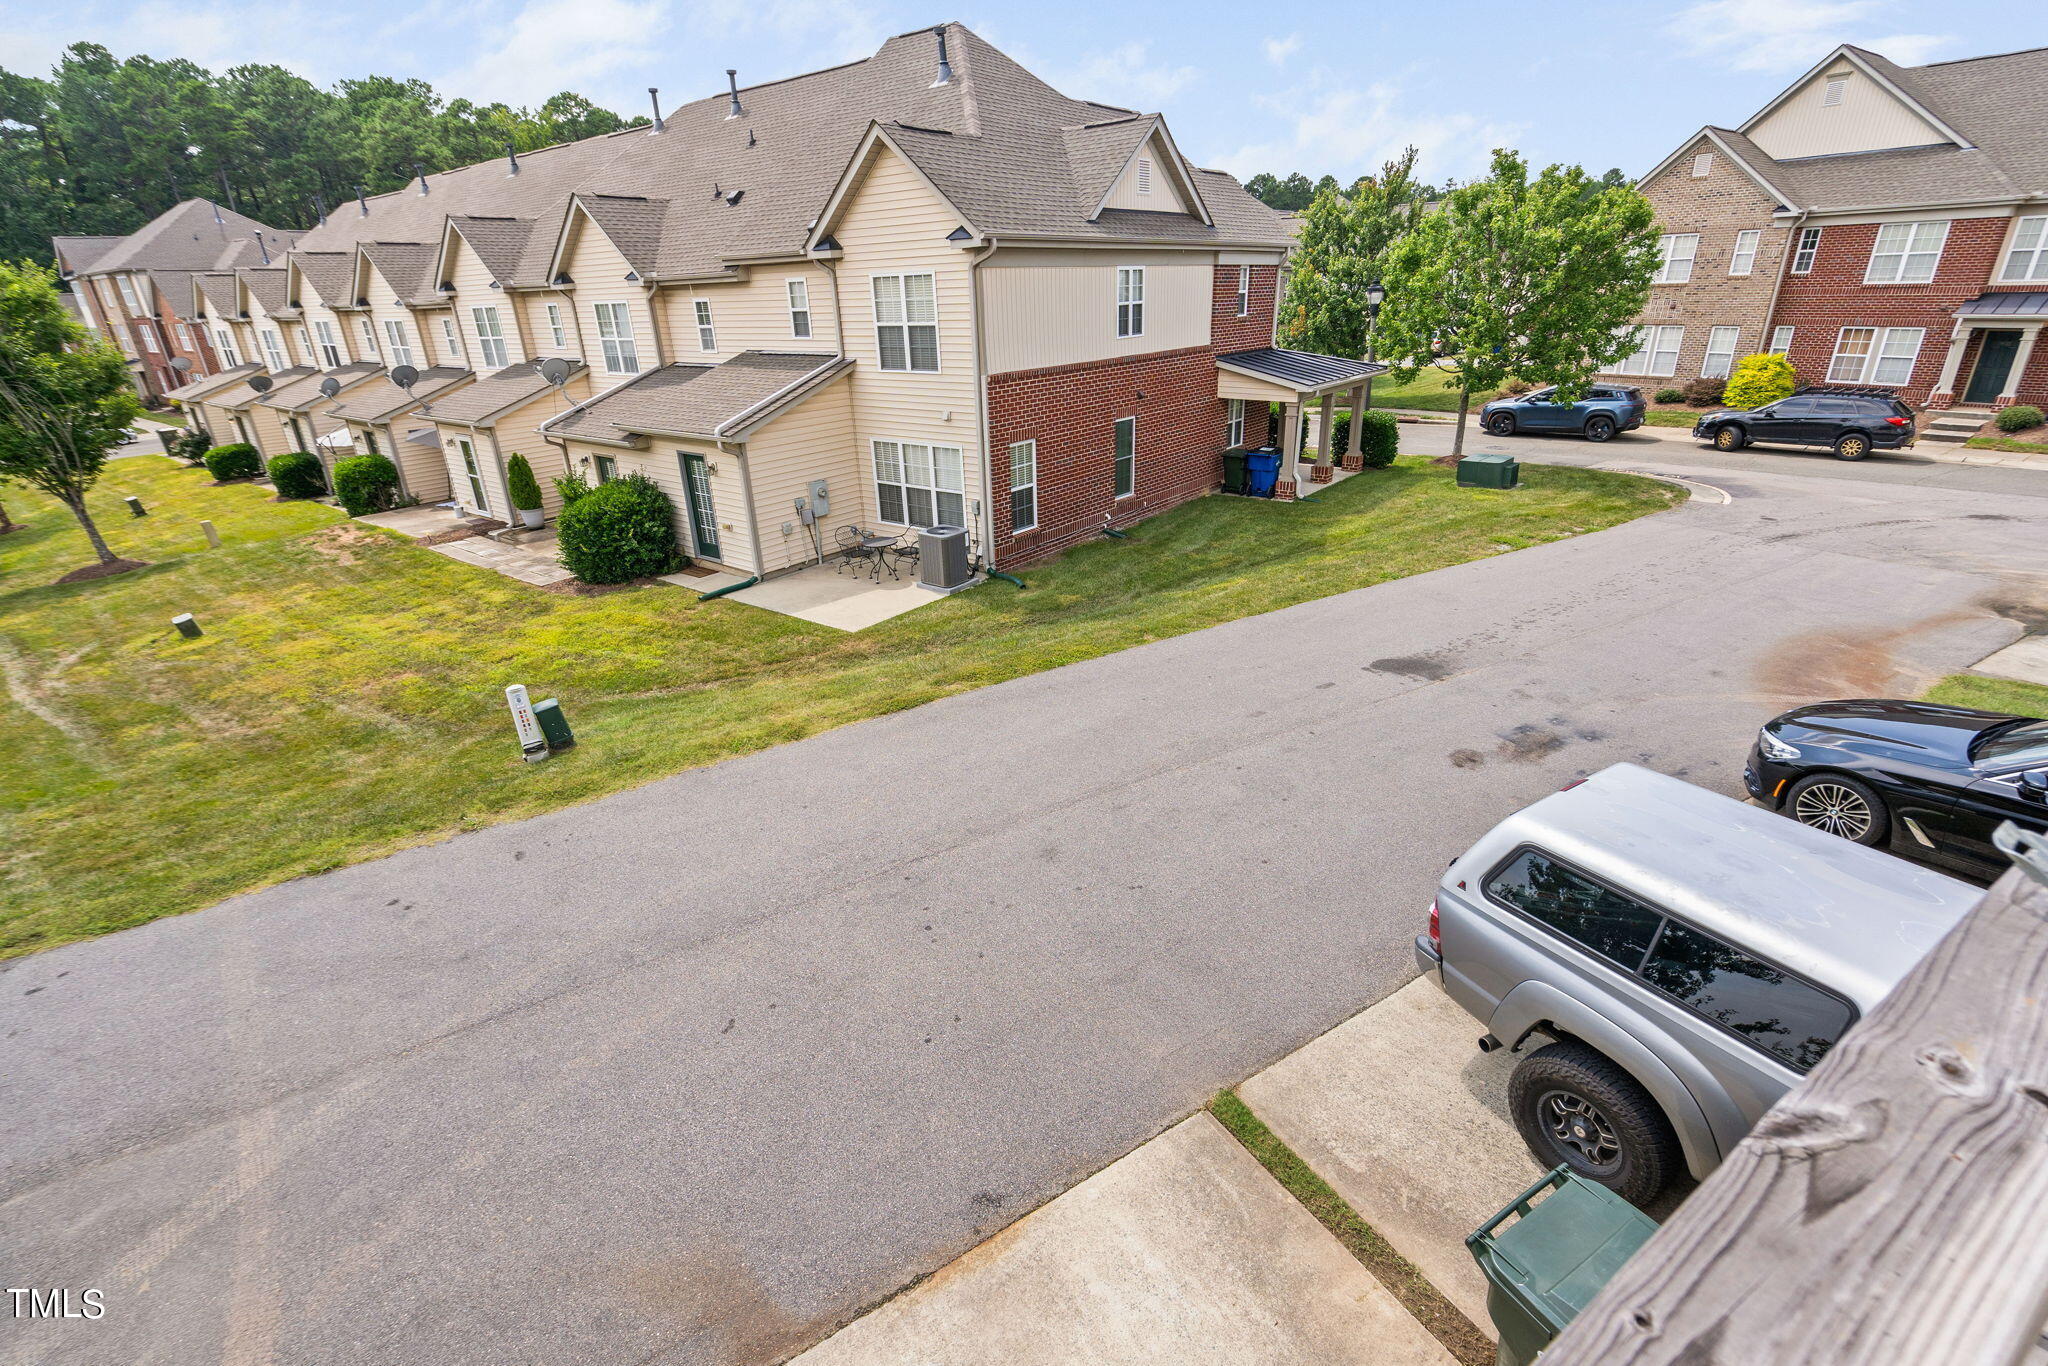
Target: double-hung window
point(1743, 259)
point(1023, 486)
point(451, 344)
point(224, 342)
point(2028, 259)
point(1130, 301)
point(1875, 355)
point(1808, 248)
point(369, 339)
point(1720, 358)
point(1233, 424)
point(273, 349)
point(330, 345)
point(1244, 290)
point(1675, 253)
point(128, 293)
point(1781, 340)
point(1656, 352)
point(799, 307)
point(148, 335)
point(615, 337)
point(1126, 461)
point(907, 322)
point(919, 485)
point(1906, 253)
point(555, 328)
point(490, 338)
point(707, 336)
point(400, 350)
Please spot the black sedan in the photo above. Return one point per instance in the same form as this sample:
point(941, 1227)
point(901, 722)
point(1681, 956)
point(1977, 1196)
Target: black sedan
point(1925, 781)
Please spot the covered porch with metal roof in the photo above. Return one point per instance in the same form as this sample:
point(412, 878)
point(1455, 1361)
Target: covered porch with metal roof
point(1294, 380)
point(2011, 321)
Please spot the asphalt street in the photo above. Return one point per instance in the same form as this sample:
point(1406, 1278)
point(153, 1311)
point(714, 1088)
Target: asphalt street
point(694, 1073)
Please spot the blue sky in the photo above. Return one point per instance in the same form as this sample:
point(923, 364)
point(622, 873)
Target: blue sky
point(1277, 86)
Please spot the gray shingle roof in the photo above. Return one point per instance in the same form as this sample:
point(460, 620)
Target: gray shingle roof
point(331, 274)
point(378, 399)
point(79, 253)
point(633, 223)
point(241, 395)
point(187, 237)
point(1300, 369)
point(175, 286)
point(698, 400)
point(266, 284)
point(408, 267)
point(218, 289)
point(200, 388)
point(499, 243)
point(303, 393)
point(493, 394)
point(1096, 152)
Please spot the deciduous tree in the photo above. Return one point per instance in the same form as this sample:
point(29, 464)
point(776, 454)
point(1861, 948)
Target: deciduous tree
point(1341, 249)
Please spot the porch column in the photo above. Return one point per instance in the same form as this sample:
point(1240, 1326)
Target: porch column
point(1945, 388)
point(1290, 450)
point(2028, 334)
point(1323, 470)
point(1354, 458)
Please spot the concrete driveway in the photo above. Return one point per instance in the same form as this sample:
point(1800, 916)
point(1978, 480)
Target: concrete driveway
point(694, 1073)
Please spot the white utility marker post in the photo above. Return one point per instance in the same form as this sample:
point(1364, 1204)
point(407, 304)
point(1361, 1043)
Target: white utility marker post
point(531, 745)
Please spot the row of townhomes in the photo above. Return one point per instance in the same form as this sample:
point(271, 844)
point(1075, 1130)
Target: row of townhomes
point(1879, 225)
point(922, 288)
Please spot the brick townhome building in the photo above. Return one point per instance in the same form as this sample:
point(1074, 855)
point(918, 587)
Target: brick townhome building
point(1878, 224)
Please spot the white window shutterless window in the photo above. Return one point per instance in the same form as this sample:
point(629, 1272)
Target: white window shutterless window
point(1233, 424)
point(224, 342)
point(490, 337)
point(1244, 290)
point(1675, 253)
point(148, 335)
point(1656, 352)
point(907, 322)
point(451, 343)
point(1126, 460)
point(1808, 248)
point(273, 349)
point(399, 352)
point(615, 337)
point(1130, 301)
point(472, 475)
point(329, 344)
point(1906, 253)
point(2028, 259)
point(305, 346)
point(799, 307)
point(1874, 355)
point(555, 328)
point(1023, 486)
point(1781, 340)
point(1743, 260)
point(707, 337)
point(128, 293)
point(1720, 358)
point(919, 485)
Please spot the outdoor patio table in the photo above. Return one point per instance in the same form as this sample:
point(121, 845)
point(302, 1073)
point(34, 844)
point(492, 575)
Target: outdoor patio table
point(876, 544)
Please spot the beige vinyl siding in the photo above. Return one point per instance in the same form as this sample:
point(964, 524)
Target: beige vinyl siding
point(382, 310)
point(1868, 119)
point(752, 315)
point(535, 308)
point(600, 275)
point(519, 432)
point(1164, 198)
point(895, 223)
point(1230, 384)
point(813, 440)
point(438, 350)
point(259, 322)
point(497, 498)
point(662, 464)
point(421, 472)
point(473, 291)
point(272, 437)
point(1047, 307)
point(344, 331)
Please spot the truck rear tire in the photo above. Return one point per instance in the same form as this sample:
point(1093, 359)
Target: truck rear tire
point(1575, 1106)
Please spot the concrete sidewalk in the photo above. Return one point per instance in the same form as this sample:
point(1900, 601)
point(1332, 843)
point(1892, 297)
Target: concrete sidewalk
point(1184, 1251)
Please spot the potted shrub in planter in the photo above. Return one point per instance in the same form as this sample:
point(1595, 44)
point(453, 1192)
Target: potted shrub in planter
point(525, 490)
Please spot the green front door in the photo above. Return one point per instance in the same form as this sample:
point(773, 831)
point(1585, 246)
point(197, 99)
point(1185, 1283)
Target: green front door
point(703, 516)
point(1993, 368)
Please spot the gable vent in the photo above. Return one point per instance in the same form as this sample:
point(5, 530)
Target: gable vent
point(1832, 95)
point(1144, 175)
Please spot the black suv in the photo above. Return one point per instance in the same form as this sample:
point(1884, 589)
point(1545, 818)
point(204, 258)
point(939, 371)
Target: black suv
point(1853, 422)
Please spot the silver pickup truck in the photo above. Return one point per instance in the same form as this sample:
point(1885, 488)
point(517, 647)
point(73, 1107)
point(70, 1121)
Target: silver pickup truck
point(1672, 961)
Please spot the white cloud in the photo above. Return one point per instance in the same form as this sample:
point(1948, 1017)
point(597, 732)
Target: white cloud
point(553, 45)
point(1125, 76)
point(1278, 50)
point(1791, 35)
point(1347, 131)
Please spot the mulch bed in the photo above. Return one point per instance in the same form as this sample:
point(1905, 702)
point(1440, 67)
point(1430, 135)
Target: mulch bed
point(103, 571)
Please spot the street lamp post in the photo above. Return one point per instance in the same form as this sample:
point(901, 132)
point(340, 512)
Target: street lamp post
point(1375, 294)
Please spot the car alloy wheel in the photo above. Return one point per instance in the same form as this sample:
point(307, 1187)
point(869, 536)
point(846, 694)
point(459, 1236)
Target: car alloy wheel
point(1577, 1125)
point(1501, 424)
point(1728, 439)
point(1599, 429)
point(1833, 808)
point(1852, 447)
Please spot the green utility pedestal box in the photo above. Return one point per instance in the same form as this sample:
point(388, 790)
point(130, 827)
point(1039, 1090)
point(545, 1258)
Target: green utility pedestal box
point(1489, 472)
point(554, 727)
point(1543, 1268)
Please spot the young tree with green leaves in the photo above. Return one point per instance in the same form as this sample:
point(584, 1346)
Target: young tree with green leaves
point(1342, 248)
point(65, 400)
point(1541, 278)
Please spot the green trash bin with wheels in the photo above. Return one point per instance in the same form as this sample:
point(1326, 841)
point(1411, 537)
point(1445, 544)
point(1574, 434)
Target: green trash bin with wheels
point(1233, 471)
point(1547, 1253)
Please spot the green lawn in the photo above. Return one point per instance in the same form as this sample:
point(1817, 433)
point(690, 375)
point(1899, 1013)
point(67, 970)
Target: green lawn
point(1432, 390)
point(1991, 694)
point(347, 697)
point(2006, 443)
point(1672, 417)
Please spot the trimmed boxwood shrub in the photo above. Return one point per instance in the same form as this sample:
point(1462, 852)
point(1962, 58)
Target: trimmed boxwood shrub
point(236, 460)
point(366, 483)
point(1671, 395)
point(1763, 378)
point(297, 474)
point(1379, 438)
point(619, 531)
point(2018, 417)
point(521, 484)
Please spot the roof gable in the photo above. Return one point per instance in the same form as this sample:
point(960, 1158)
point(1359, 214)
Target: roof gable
point(1153, 178)
point(401, 268)
point(194, 235)
point(1874, 110)
point(497, 243)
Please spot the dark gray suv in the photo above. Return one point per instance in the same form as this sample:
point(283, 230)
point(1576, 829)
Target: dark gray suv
point(1671, 961)
point(1604, 412)
point(1850, 422)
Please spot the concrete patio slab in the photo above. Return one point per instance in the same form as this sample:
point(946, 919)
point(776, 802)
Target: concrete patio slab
point(1399, 1111)
point(1184, 1251)
point(425, 519)
point(2025, 660)
point(531, 565)
point(849, 601)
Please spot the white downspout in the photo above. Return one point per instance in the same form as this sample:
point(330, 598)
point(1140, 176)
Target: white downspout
point(988, 496)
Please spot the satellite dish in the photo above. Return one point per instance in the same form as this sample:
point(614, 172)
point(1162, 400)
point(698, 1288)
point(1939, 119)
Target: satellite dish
point(180, 364)
point(329, 387)
point(260, 383)
point(404, 376)
point(555, 371)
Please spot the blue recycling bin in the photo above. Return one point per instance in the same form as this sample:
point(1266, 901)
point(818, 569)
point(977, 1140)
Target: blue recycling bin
point(1261, 472)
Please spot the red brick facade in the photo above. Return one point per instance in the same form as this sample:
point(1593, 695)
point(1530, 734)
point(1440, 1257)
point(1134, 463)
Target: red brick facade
point(1071, 412)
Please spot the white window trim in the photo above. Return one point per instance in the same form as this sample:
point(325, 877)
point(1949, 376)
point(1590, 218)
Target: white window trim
point(1736, 257)
point(451, 336)
point(1669, 259)
point(790, 288)
point(707, 332)
point(1131, 418)
point(1781, 341)
point(938, 350)
point(1872, 359)
point(1130, 294)
point(473, 473)
point(224, 346)
point(625, 343)
point(497, 356)
point(875, 480)
point(327, 344)
point(1805, 247)
point(2037, 254)
point(560, 333)
point(1707, 360)
point(1233, 424)
point(372, 350)
point(273, 348)
point(1016, 488)
point(400, 351)
point(1907, 252)
point(1244, 291)
point(1647, 338)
